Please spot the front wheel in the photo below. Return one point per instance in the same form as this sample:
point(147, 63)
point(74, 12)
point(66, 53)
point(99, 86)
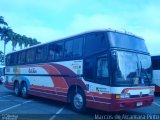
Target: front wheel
point(78, 101)
point(24, 90)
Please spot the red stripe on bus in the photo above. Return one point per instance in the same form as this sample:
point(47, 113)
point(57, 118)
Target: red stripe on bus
point(58, 81)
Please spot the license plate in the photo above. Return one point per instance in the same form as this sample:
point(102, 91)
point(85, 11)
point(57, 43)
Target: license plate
point(139, 104)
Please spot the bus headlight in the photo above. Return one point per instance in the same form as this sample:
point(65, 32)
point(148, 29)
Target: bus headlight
point(123, 95)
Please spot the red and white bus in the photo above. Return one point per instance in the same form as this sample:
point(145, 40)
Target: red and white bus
point(104, 69)
point(156, 73)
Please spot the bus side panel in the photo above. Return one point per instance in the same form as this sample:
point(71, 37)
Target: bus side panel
point(47, 80)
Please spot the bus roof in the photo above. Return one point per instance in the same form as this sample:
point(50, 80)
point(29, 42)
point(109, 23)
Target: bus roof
point(101, 30)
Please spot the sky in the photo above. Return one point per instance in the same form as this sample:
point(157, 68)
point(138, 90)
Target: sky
point(48, 20)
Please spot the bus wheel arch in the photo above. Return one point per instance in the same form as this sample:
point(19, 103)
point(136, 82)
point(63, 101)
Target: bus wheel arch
point(17, 88)
point(77, 98)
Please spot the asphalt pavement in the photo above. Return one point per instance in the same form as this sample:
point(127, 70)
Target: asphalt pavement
point(37, 108)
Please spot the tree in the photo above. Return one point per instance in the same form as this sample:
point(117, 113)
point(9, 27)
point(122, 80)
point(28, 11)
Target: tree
point(20, 41)
point(5, 36)
point(25, 41)
point(33, 42)
point(15, 38)
point(1, 58)
point(2, 21)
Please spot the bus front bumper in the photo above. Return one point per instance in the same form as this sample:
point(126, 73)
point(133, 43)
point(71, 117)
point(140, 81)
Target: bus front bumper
point(131, 103)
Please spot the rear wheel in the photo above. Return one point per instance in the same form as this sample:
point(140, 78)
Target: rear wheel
point(16, 89)
point(78, 101)
point(24, 90)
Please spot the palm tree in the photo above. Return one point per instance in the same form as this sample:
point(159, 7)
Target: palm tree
point(14, 40)
point(33, 42)
point(2, 21)
point(25, 41)
point(20, 41)
point(6, 34)
point(1, 57)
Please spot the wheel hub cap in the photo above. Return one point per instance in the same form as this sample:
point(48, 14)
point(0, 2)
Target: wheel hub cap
point(78, 101)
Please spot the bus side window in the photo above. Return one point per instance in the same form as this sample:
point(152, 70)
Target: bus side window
point(155, 63)
point(51, 52)
point(55, 51)
point(77, 47)
point(68, 51)
point(58, 50)
point(30, 57)
point(102, 75)
point(14, 59)
point(8, 60)
point(89, 68)
point(41, 54)
point(22, 57)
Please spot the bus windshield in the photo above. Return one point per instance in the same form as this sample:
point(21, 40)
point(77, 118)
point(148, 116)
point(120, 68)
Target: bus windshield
point(120, 40)
point(133, 69)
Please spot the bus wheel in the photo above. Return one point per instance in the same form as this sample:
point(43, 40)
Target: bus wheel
point(78, 101)
point(16, 89)
point(24, 90)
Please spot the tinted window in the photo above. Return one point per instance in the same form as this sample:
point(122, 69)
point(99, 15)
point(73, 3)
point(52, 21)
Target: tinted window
point(68, 53)
point(156, 63)
point(14, 58)
point(94, 43)
point(77, 47)
point(51, 52)
point(8, 59)
point(21, 58)
point(89, 69)
point(41, 54)
point(55, 51)
point(30, 57)
point(58, 51)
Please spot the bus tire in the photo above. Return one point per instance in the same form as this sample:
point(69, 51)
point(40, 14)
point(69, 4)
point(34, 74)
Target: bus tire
point(16, 89)
point(24, 90)
point(78, 101)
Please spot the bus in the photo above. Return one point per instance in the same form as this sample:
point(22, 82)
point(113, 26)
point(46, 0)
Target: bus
point(101, 69)
point(156, 73)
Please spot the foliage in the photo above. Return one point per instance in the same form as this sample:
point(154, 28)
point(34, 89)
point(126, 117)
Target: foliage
point(7, 35)
point(1, 58)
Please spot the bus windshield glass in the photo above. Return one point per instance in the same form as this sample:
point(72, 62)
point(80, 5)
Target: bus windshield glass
point(120, 40)
point(133, 69)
